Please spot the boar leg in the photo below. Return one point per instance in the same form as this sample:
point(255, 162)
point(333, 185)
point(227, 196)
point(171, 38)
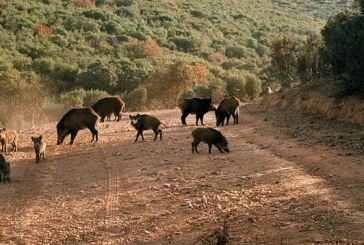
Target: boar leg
point(37, 157)
point(228, 119)
point(155, 133)
point(194, 147)
point(222, 120)
point(118, 117)
point(137, 136)
point(15, 148)
point(199, 116)
point(73, 136)
point(210, 146)
point(220, 149)
point(95, 134)
point(183, 118)
point(160, 134)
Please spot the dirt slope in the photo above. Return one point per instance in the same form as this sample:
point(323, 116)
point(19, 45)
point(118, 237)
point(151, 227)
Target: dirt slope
point(290, 178)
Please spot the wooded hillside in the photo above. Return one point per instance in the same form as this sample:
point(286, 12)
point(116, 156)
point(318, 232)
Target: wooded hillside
point(71, 52)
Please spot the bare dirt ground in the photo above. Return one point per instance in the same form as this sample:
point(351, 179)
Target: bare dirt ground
point(290, 178)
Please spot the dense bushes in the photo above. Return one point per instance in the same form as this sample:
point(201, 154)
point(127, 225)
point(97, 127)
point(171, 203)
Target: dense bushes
point(135, 47)
point(283, 60)
point(343, 51)
point(339, 52)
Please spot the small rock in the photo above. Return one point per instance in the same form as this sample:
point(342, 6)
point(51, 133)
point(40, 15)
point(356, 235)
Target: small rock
point(318, 238)
point(251, 220)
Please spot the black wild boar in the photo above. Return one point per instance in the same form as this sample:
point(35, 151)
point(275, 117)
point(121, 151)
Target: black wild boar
point(211, 137)
point(4, 170)
point(8, 137)
point(196, 106)
point(39, 148)
point(75, 120)
point(146, 122)
point(228, 107)
point(109, 105)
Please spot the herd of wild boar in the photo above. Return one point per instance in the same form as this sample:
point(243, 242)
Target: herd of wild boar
point(81, 118)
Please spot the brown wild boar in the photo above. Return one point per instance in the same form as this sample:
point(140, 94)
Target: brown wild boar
point(75, 120)
point(4, 170)
point(109, 105)
point(228, 107)
point(8, 137)
point(39, 148)
point(211, 137)
point(146, 122)
point(196, 106)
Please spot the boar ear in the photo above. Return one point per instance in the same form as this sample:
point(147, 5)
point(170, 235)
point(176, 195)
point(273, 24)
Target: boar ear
point(130, 116)
point(40, 137)
point(32, 138)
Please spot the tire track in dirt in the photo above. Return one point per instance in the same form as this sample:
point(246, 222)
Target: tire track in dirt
point(33, 180)
point(113, 189)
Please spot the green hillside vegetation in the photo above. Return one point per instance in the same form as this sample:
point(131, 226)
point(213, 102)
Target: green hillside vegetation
point(64, 53)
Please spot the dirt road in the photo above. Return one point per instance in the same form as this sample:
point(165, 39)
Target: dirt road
point(290, 179)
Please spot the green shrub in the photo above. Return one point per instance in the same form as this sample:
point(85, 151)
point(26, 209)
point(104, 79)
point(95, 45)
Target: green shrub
point(186, 44)
point(218, 90)
point(124, 3)
point(112, 27)
point(59, 40)
point(235, 85)
point(5, 65)
point(91, 96)
point(136, 100)
point(343, 37)
point(284, 60)
point(95, 14)
point(236, 52)
point(262, 50)
point(43, 65)
point(72, 99)
point(308, 60)
point(197, 13)
point(232, 63)
point(173, 80)
point(253, 86)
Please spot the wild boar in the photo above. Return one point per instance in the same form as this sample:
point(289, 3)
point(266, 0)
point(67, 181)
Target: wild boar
point(109, 105)
point(228, 107)
point(4, 170)
point(146, 122)
point(39, 148)
point(75, 120)
point(198, 106)
point(8, 137)
point(211, 137)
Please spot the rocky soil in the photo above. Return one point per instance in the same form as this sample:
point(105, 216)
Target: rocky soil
point(290, 178)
